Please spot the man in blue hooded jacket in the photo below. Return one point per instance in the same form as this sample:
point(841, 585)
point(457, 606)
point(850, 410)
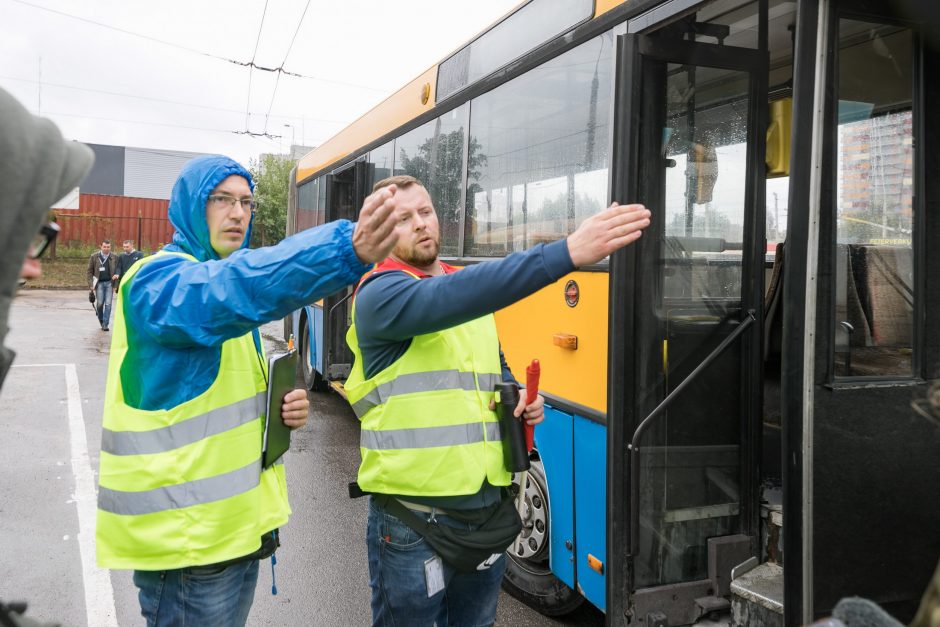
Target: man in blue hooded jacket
point(183, 500)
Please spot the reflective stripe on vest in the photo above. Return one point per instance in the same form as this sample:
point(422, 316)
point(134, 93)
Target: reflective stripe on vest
point(184, 486)
point(426, 437)
point(196, 492)
point(187, 432)
point(417, 382)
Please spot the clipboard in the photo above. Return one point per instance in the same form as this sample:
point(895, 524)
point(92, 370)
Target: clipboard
point(282, 369)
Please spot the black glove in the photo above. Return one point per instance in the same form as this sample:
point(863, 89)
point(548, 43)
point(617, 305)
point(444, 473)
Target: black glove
point(91, 296)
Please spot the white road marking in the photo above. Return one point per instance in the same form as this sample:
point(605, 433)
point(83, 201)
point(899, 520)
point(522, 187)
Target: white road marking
point(99, 595)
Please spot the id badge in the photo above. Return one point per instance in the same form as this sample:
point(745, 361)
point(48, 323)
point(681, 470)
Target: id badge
point(100, 268)
point(434, 575)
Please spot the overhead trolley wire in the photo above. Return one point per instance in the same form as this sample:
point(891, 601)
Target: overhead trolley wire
point(161, 100)
point(193, 128)
point(287, 54)
point(250, 70)
point(249, 64)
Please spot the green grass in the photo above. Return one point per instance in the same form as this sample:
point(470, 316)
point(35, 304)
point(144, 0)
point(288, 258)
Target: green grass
point(76, 250)
point(62, 274)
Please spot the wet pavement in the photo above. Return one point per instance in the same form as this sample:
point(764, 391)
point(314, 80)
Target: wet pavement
point(50, 421)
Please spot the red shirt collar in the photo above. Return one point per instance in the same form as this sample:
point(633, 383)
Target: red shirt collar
point(393, 264)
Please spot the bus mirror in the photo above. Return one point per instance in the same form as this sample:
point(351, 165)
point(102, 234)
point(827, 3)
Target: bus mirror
point(778, 137)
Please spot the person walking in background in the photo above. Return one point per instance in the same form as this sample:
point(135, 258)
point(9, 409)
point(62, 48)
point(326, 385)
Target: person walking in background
point(183, 500)
point(126, 260)
point(422, 384)
point(102, 277)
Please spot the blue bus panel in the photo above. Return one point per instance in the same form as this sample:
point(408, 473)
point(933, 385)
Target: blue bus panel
point(553, 439)
point(590, 488)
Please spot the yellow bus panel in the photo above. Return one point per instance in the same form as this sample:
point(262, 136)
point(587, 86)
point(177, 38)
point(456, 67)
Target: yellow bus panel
point(402, 106)
point(527, 330)
point(603, 6)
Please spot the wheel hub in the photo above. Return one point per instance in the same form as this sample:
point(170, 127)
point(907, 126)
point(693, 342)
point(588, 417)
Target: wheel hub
point(531, 543)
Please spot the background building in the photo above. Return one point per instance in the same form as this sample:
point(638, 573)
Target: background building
point(125, 196)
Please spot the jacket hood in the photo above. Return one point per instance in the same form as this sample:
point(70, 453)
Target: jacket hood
point(187, 211)
point(37, 168)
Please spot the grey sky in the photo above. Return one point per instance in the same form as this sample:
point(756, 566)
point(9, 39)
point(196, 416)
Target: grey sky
point(360, 51)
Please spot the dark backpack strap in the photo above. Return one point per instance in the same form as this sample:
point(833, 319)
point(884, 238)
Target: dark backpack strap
point(355, 491)
point(394, 507)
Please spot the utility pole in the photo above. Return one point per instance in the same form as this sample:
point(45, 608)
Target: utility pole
point(291, 151)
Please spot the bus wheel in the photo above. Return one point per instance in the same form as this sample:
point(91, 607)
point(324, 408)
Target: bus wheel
point(312, 379)
point(528, 576)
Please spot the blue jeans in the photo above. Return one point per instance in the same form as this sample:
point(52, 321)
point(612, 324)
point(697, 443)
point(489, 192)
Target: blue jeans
point(397, 556)
point(198, 595)
point(103, 295)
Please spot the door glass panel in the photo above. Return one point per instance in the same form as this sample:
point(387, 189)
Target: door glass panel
point(689, 458)
point(874, 307)
point(705, 148)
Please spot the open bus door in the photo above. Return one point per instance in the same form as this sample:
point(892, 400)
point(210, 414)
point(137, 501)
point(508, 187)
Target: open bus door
point(346, 190)
point(862, 444)
point(683, 494)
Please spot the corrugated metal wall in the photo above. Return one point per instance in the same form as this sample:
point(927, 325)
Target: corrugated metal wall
point(117, 218)
point(107, 175)
point(150, 173)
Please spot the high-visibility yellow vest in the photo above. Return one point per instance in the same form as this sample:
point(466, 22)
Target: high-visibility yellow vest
point(184, 486)
point(427, 429)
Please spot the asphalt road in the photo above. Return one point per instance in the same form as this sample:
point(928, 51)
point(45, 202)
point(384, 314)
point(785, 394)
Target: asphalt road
point(50, 421)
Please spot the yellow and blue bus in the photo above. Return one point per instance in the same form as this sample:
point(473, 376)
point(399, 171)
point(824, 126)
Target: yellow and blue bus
point(750, 380)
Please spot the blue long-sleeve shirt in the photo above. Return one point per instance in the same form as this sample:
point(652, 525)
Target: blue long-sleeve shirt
point(392, 308)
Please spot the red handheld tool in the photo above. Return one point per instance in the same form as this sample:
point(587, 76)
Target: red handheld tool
point(532, 373)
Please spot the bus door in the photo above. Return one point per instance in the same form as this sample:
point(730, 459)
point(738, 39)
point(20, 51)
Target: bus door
point(861, 513)
point(346, 190)
point(684, 389)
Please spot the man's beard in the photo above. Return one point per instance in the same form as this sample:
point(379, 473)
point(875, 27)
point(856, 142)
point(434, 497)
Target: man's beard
point(416, 258)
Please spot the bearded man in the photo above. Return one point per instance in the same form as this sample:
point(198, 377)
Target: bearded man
point(426, 361)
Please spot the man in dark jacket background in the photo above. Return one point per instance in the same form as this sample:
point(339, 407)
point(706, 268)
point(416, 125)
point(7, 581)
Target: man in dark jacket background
point(126, 260)
point(102, 276)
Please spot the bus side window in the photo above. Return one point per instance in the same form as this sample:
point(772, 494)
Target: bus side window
point(306, 206)
point(434, 154)
point(538, 155)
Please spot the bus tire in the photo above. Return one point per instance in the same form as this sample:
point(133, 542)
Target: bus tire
point(528, 576)
point(313, 380)
point(288, 327)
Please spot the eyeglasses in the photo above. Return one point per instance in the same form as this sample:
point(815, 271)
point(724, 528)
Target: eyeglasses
point(46, 236)
point(226, 201)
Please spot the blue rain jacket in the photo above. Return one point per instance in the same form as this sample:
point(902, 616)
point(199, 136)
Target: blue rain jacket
point(179, 312)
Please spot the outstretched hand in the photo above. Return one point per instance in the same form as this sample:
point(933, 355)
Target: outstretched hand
point(603, 233)
point(375, 235)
